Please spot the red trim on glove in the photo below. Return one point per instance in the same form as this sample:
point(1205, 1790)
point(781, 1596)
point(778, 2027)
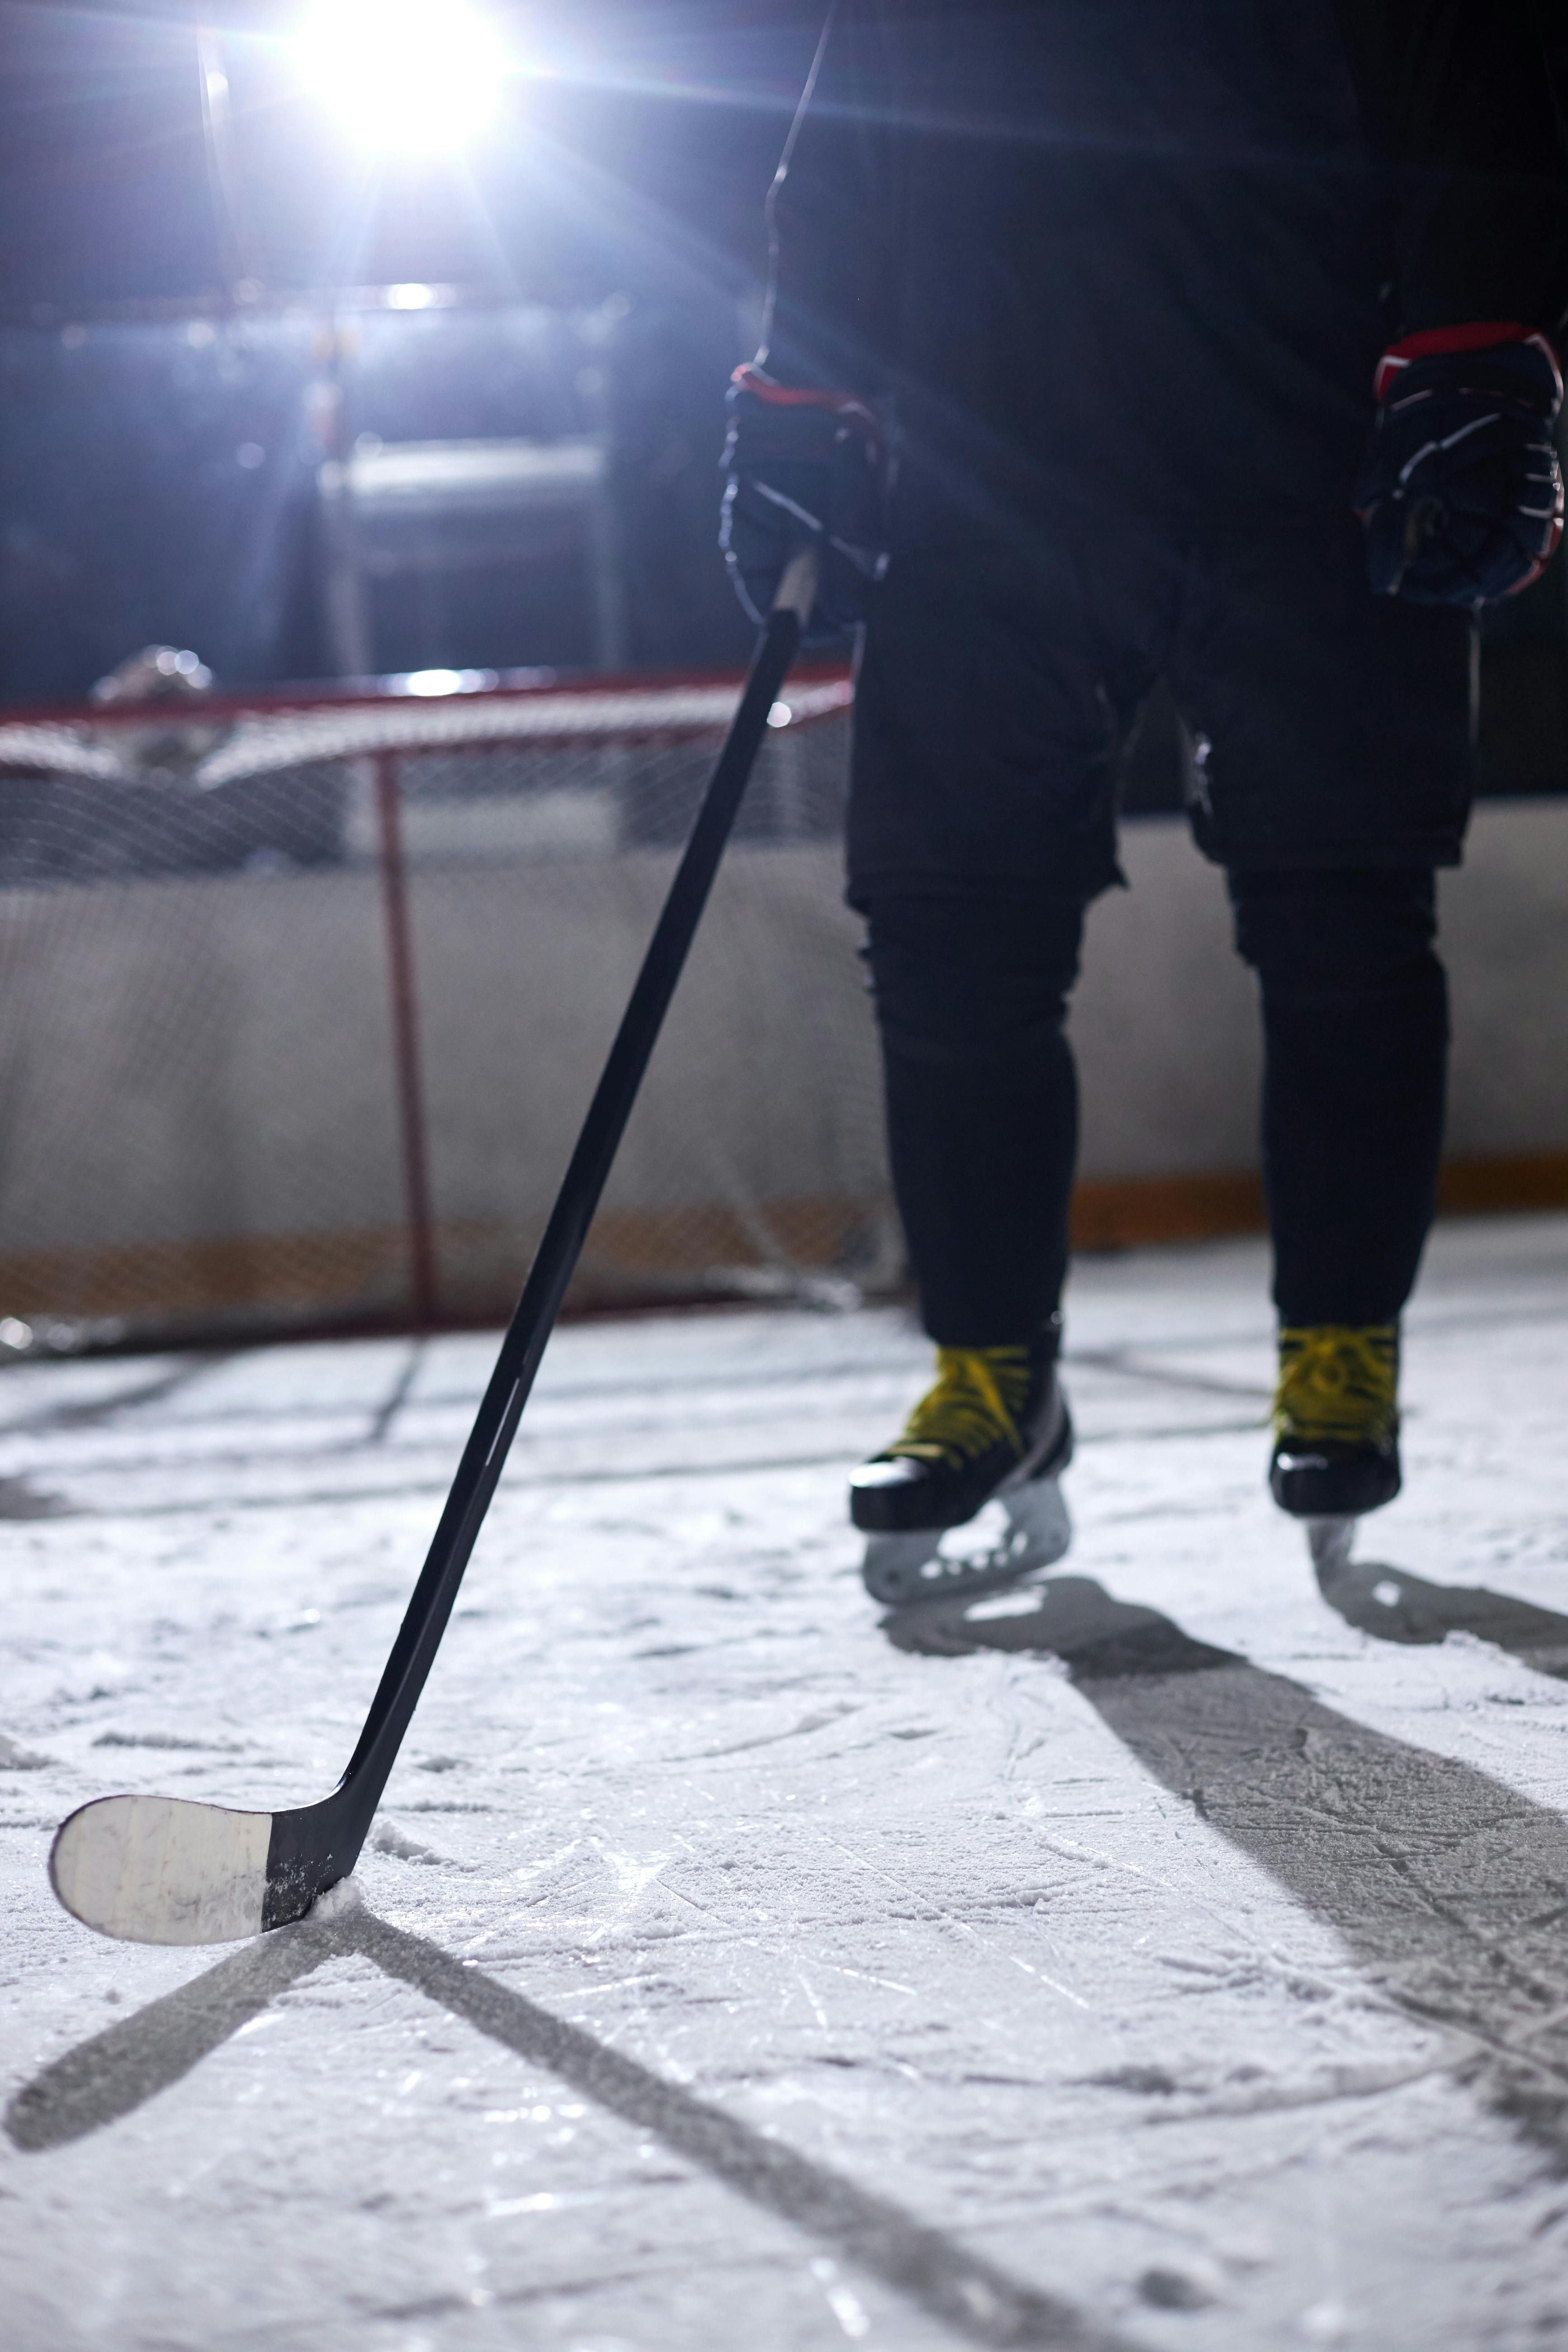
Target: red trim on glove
point(854, 411)
point(1477, 335)
point(1539, 566)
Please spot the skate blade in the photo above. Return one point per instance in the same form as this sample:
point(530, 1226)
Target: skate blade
point(1330, 1541)
point(902, 1570)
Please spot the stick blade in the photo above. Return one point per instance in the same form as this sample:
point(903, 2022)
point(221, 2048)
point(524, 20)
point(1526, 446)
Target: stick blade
point(163, 1870)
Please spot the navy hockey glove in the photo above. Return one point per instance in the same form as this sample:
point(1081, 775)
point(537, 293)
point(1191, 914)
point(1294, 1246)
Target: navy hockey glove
point(1460, 489)
point(805, 469)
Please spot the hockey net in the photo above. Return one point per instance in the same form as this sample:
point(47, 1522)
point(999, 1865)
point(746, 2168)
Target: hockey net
point(302, 1003)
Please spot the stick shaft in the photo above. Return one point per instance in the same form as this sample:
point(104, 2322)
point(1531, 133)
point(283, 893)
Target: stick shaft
point(496, 1423)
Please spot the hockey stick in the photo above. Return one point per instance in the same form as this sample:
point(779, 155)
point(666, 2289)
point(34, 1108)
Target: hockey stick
point(164, 1870)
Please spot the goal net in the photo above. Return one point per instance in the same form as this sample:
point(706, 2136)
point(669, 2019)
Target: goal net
point(301, 1004)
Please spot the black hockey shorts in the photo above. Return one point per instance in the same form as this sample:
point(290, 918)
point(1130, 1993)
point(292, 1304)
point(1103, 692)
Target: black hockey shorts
point(1330, 728)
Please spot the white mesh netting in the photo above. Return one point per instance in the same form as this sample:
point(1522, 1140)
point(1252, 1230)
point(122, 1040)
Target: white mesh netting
point(228, 1104)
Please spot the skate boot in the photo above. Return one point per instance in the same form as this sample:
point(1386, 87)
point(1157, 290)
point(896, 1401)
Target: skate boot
point(1336, 1430)
point(996, 1425)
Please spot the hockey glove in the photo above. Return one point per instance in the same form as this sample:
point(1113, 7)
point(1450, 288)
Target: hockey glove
point(805, 469)
point(1460, 490)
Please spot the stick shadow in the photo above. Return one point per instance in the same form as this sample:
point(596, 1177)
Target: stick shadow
point(1449, 1890)
point(117, 2071)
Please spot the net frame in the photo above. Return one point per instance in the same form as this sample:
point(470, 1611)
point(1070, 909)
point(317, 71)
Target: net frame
point(383, 737)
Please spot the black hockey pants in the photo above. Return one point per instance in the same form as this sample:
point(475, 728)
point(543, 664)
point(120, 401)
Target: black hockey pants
point(971, 989)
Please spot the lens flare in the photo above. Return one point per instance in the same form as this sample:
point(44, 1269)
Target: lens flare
point(416, 75)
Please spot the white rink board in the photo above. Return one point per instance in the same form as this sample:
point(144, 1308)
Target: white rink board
point(250, 1114)
point(1092, 1976)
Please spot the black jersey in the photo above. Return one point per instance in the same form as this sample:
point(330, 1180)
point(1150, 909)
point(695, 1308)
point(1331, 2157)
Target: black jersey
point(1150, 250)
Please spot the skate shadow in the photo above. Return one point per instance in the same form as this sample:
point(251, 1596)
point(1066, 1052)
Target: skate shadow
point(1395, 1606)
point(1449, 1890)
point(116, 2072)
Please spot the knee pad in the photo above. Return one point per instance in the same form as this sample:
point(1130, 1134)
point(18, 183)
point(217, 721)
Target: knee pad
point(1338, 937)
point(962, 981)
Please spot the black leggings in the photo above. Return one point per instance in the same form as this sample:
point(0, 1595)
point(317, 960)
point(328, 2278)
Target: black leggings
point(971, 990)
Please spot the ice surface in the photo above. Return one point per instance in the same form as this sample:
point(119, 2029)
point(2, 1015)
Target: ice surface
point(1173, 1958)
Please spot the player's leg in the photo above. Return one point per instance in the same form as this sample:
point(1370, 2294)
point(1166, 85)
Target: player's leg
point(1334, 775)
point(1356, 1031)
point(980, 827)
point(981, 1108)
point(970, 994)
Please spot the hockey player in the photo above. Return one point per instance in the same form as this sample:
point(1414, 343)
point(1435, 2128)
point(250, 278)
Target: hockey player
point(1111, 340)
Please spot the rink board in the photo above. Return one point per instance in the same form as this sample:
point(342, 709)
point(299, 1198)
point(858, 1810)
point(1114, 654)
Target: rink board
point(203, 1118)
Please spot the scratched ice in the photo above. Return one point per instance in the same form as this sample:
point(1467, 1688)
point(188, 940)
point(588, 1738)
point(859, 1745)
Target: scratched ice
point(1170, 1957)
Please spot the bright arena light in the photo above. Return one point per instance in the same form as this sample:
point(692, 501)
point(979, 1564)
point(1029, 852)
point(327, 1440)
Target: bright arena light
point(411, 74)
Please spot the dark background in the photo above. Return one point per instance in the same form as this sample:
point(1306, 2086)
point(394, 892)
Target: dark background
point(166, 298)
point(162, 308)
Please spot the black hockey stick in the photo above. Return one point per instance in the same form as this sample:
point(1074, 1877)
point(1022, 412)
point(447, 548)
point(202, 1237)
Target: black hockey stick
point(164, 1870)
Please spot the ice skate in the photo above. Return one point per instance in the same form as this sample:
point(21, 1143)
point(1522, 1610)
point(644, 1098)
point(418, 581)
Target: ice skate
point(1336, 1432)
point(995, 1427)
point(1330, 1543)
